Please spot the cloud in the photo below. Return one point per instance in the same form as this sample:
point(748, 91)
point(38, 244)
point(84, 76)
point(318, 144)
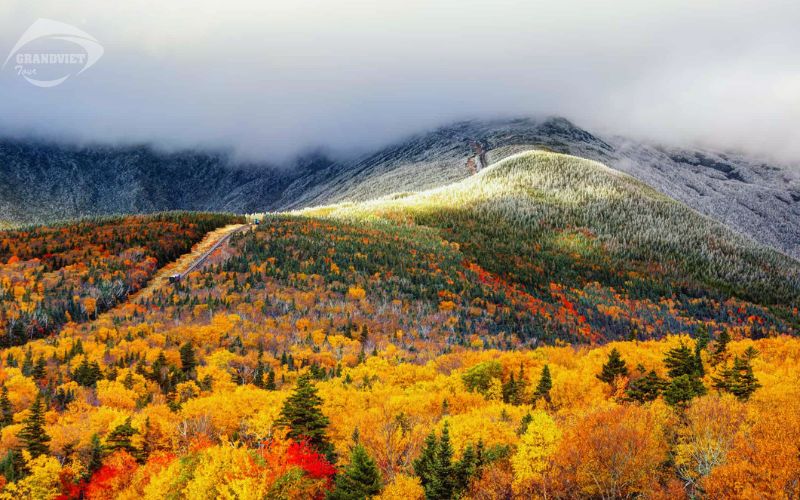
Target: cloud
point(269, 79)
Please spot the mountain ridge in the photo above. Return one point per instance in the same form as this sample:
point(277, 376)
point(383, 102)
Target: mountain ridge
point(43, 182)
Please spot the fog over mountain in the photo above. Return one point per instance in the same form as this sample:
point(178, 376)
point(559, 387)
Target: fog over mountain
point(269, 79)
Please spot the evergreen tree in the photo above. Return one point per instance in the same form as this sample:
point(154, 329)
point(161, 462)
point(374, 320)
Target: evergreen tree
point(27, 363)
point(465, 468)
point(13, 466)
point(698, 361)
point(95, 456)
point(524, 423)
point(39, 369)
point(685, 370)
point(32, 434)
point(681, 361)
point(683, 389)
point(646, 388)
point(544, 385)
point(270, 384)
point(424, 464)
point(442, 484)
point(6, 410)
point(303, 418)
point(721, 347)
point(120, 438)
point(739, 380)
point(614, 367)
point(188, 360)
point(359, 480)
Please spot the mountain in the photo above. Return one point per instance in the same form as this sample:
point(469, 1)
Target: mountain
point(581, 222)
point(505, 333)
point(40, 182)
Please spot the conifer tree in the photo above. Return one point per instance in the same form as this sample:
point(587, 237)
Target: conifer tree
point(27, 363)
point(303, 418)
point(544, 385)
point(120, 438)
point(685, 371)
point(95, 456)
point(646, 388)
point(359, 480)
point(683, 389)
point(681, 361)
point(442, 484)
point(614, 367)
point(32, 434)
point(270, 384)
point(721, 347)
point(524, 423)
point(188, 360)
point(6, 410)
point(739, 380)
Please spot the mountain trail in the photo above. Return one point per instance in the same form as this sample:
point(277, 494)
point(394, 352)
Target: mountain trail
point(188, 261)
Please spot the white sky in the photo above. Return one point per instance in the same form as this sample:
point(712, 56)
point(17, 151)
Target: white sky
point(269, 79)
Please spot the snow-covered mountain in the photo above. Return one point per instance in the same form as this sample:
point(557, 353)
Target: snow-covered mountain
point(45, 182)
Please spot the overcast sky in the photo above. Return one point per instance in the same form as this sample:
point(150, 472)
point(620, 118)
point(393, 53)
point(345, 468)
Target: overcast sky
point(269, 79)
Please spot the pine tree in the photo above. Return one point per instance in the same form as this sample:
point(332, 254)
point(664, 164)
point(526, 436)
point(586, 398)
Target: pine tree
point(13, 466)
point(39, 369)
point(544, 385)
point(465, 468)
point(510, 390)
point(524, 423)
point(443, 483)
point(359, 480)
point(739, 380)
point(646, 388)
point(303, 418)
point(270, 384)
point(685, 371)
point(683, 389)
point(95, 456)
point(721, 347)
point(120, 438)
point(681, 361)
point(27, 364)
point(614, 367)
point(6, 410)
point(424, 464)
point(188, 360)
point(32, 434)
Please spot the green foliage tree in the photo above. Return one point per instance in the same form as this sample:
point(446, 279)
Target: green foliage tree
point(33, 435)
point(544, 385)
point(360, 479)
point(479, 377)
point(6, 410)
point(646, 388)
point(120, 438)
point(188, 359)
point(721, 347)
point(302, 416)
point(683, 389)
point(739, 379)
point(682, 361)
point(613, 368)
point(95, 460)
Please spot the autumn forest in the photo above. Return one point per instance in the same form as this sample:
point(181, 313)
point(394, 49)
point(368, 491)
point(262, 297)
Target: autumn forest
point(543, 329)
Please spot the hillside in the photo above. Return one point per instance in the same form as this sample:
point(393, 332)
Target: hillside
point(547, 327)
point(536, 205)
point(41, 181)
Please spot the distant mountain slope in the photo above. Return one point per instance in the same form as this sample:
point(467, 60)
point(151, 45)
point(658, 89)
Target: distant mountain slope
point(580, 221)
point(46, 182)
